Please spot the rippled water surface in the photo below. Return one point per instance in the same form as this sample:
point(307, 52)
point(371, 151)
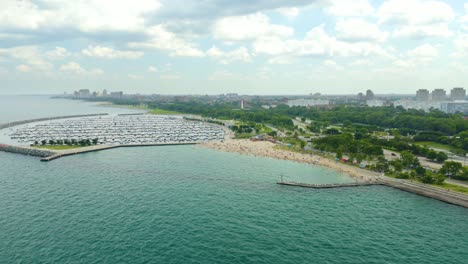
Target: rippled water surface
point(187, 204)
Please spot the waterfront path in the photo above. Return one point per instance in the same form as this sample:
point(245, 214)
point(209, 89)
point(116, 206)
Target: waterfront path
point(69, 152)
point(427, 190)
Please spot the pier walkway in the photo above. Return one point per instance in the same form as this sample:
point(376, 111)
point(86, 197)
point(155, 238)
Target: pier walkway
point(426, 190)
point(63, 153)
point(330, 185)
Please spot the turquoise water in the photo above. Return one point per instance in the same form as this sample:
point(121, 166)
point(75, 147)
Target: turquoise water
point(186, 204)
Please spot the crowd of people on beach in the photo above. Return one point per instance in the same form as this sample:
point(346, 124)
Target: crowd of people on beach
point(269, 149)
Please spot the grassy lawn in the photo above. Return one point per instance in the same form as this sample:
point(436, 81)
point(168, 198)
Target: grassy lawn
point(453, 187)
point(163, 112)
point(155, 111)
point(57, 147)
point(430, 144)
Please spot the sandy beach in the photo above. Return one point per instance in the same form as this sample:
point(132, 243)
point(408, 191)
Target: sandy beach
point(267, 149)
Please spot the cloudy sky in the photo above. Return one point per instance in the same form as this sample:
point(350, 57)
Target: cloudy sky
point(245, 46)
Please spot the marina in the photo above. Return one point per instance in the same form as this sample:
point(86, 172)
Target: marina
point(118, 130)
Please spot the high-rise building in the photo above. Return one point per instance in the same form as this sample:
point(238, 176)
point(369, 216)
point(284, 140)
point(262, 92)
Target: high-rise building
point(361, 97)
point(117, 95)
point(369, 95)
point(422, 95)
point(439, 95)
point(84, 93)
point(455, 107)
point(104, 93)
point(243, 104)
point(458, 94)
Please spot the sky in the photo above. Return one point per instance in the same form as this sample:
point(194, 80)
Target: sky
point(224, 46)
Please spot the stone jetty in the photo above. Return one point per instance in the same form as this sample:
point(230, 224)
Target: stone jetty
point(26, 151)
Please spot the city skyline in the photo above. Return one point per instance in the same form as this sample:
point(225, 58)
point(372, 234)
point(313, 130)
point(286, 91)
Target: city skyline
point(260, 47)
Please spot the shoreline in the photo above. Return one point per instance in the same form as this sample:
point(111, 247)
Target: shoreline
point(362, 176)
point(267, 149)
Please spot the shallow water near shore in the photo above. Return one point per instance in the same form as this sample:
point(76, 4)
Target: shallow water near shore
point(188, 204)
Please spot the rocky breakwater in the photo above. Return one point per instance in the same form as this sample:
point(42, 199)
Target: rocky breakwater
point(26, 151)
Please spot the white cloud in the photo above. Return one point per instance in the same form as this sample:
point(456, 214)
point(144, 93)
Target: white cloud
point(76, 69)
point(170, 76)
point(422, 31)
point(461, 46)
point(417, 18)
point(135, 76)
point(110, 53)
point(161, 38)
point(289, 12)
point(356, 29)
point(464, 19)
point(424, 52)
point(120, 16)
point(249, 27)
point(419, 56)
point(58, 53)
point(330, 63)
point(29, 55)
point(281, 60)
point(152, 69)
point(317, 43)
point(222, 75)
point(23, 68)
point(226, 57)
point(362, 63)
point(345, 8)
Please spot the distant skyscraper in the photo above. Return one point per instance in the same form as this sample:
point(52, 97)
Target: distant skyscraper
point(84, 93)
point(361, 97)
point(422, 95)
point(457, 94)
point(117, 95)
point(104, 93)
point(439, 95)
point(243, 104)
point(369, 95)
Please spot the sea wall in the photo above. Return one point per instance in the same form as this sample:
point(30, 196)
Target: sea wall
point(26, 151)
point(17, 123)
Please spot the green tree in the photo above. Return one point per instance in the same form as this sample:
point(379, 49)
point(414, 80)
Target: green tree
point(409, 160)
point(438, 178)
point(432, 155)
point(339, 154)
point(441, 157)
point(303, 144)
point(397, 165)
point(451, 169)
point(382, 164)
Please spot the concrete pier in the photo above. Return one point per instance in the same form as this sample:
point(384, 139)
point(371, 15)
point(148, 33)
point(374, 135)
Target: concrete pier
point(332, 185)
point(63, 153)
point(426, 190)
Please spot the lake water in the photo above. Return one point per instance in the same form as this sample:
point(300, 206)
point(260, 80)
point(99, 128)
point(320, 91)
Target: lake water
point(187, 204)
